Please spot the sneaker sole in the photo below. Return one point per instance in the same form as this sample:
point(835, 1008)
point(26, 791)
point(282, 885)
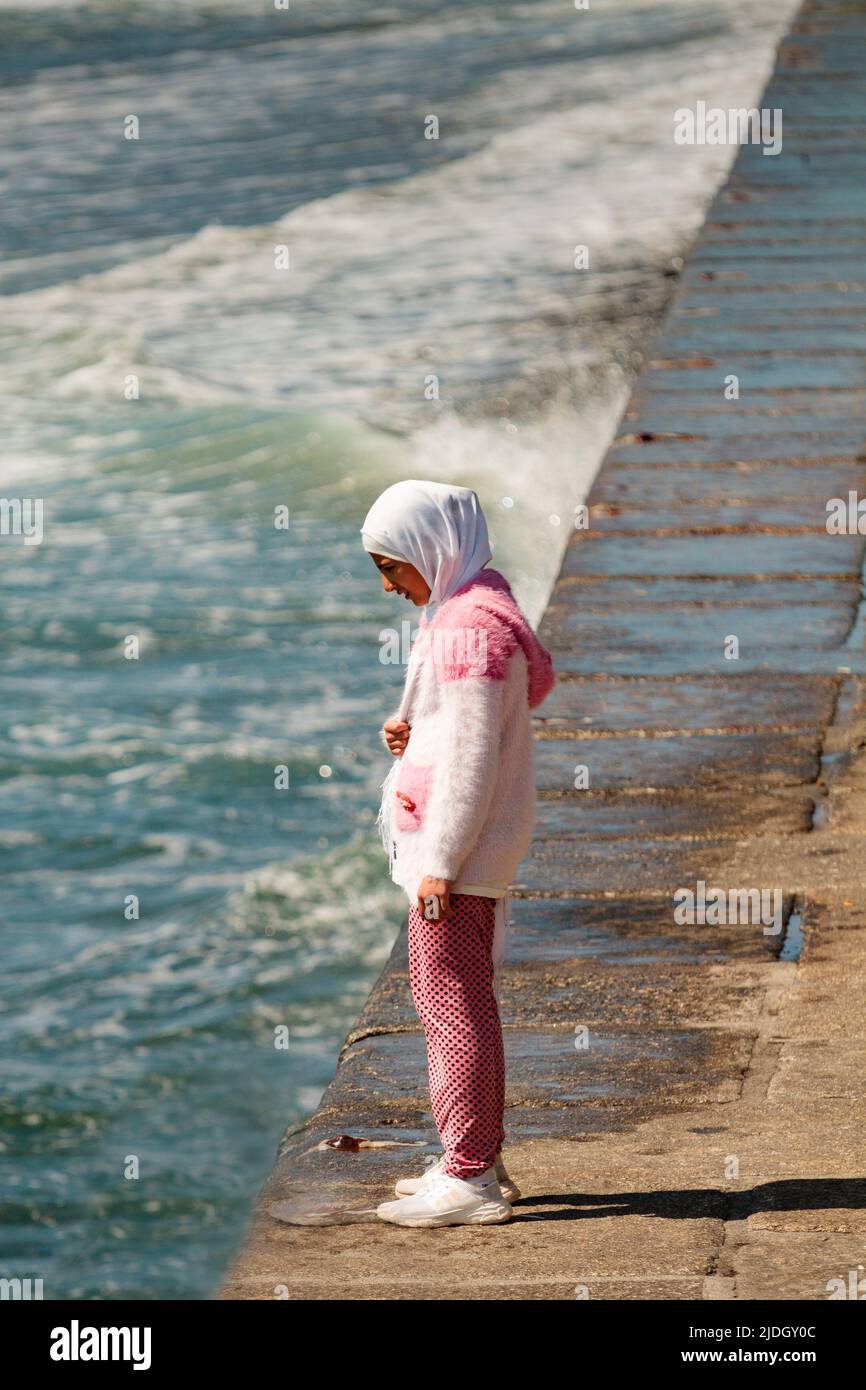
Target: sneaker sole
point(488, 1215)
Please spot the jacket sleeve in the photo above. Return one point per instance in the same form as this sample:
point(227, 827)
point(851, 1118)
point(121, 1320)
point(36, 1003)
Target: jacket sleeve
point(472, 710)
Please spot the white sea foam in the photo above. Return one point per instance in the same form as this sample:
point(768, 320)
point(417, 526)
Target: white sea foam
point(465, 271)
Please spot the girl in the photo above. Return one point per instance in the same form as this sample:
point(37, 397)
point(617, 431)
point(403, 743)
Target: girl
point(456, 817)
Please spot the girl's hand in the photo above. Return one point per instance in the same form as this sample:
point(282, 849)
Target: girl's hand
point(434, 901)
point(396, 733)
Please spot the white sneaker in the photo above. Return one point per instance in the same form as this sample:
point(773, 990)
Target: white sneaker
point(407, 1187)
point(447, 1201)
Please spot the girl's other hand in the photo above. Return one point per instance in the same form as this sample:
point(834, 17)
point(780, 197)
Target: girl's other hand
point(434, 900)
point(396, 733)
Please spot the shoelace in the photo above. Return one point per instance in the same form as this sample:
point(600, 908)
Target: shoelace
point(434, 1170)
point(441, 1179)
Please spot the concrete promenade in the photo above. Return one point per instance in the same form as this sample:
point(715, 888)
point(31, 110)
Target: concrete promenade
point(708, 1141)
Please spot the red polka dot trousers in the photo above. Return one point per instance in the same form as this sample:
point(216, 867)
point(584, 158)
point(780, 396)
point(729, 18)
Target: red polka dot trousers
point(451, 974)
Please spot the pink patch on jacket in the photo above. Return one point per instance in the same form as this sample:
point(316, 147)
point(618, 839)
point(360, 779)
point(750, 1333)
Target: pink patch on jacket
point(412, 794)
point(477, 631)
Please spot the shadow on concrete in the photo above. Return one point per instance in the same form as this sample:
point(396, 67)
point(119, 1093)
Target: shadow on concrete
point(689, 1204)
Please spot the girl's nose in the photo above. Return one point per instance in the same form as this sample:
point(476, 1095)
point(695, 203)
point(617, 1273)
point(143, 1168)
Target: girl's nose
point(387, 585)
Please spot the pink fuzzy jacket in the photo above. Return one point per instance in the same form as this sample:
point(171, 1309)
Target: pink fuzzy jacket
point(460, 803)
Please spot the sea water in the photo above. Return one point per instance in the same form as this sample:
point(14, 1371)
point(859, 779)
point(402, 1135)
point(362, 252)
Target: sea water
point(167, 912)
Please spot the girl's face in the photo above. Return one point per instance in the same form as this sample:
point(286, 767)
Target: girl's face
point(401, 577)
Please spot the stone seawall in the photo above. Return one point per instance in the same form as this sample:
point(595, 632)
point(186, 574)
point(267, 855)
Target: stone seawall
point(705, 1141)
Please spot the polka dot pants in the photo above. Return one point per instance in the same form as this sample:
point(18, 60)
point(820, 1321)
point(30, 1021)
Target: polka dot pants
point(451, 974)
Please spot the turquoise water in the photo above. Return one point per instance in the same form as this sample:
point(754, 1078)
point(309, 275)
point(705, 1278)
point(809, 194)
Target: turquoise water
point(150, 1038)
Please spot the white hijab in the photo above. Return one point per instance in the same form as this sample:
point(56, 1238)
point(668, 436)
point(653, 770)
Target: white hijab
point(438, 528)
